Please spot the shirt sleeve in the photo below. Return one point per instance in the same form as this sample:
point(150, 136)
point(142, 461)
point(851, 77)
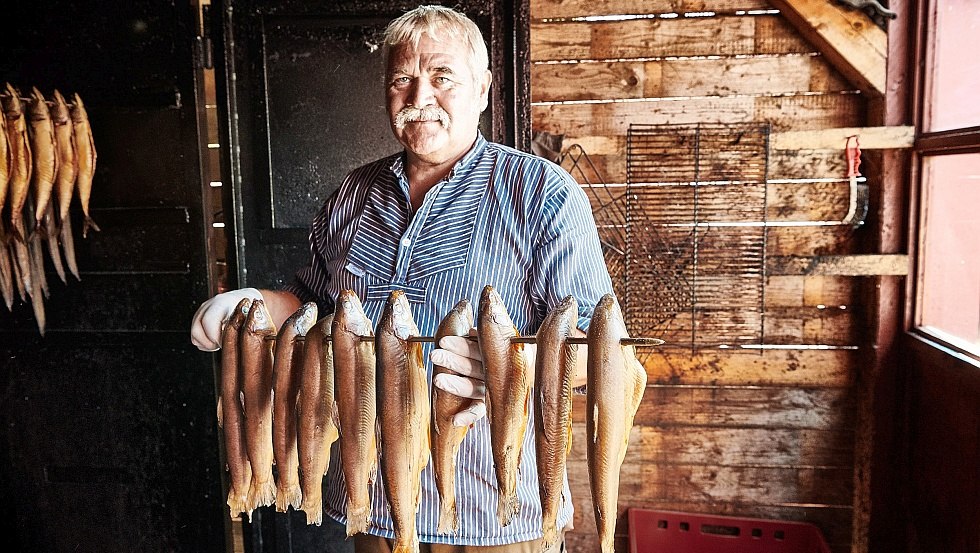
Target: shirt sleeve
point(568, 259)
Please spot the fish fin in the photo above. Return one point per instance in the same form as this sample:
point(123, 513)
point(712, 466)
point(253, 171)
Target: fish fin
point(411, 546)
point(241, 400)
point(448, 521)
point(568, 442)
point(261, 494)
point(236, 503)
point(88, 223)
point(549, 537)
point(314, 511)
point(595, 422)
point(507, 507)
point(289, 496)
point(357, 518)
point(221, 414)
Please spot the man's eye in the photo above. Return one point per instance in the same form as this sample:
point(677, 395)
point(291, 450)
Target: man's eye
point(401, 80)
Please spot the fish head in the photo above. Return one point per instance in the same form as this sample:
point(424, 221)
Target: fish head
point(492, 308)
point(304, 318)
point(60, 114)
point(78, 114)
point(11, 103)
point(399, 313)
point(349, 314)
point(39, 107)
point(259, 321)
point(463, 312)
point(240, 313)
point(608, 317)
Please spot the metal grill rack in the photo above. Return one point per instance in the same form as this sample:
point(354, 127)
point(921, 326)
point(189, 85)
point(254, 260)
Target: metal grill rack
point(695, 233)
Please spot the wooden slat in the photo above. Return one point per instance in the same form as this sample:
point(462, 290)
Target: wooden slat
point(848, 37)
point(829, 325)
point(850, 265)
point(870, 138)
point(745, 485)
point(544, 9)
point(806, 241)
point(685, 77)
point(614, 118)
point(829, 368)
point(731, 447)
point(812, 290)
point(645, 38)
point(769, 407)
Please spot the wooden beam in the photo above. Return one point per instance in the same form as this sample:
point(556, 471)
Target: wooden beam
point(847, 38)
point(870, 138)
point(841, 265)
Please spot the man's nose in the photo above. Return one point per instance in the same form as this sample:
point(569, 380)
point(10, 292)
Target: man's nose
point(422, 93)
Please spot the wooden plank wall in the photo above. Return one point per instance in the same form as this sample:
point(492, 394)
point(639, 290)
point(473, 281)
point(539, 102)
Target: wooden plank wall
point(763, 434)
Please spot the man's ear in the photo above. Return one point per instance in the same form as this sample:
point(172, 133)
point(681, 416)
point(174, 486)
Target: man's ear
point(484, 86)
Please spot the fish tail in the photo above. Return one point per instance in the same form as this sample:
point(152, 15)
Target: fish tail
point(448, 522)
point(606, 546)
point(89, 224)
point(261, 494)
point(409, 546)
point(357, 519)
point(288, 496)
point(507, 506)
point(549, 537)
point(313, 507)
point(236, 503)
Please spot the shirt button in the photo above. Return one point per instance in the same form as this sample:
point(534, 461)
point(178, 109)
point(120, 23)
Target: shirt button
point(406, 242)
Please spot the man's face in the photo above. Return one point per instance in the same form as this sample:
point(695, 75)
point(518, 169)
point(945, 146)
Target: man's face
point(434, 100)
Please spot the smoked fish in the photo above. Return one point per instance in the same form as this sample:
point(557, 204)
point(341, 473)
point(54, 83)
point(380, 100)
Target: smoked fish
point(354, 374)
point(554, 370)
point(6, 276)
point(446, 437)
point(5, 162)
point(616, 381)
point(45, 154)
point(231, 418)
point(86, 155)
point(68, 246)
point(317, 417)
point(64, 135)
point(403, 417)
point(51, 236)
point(255, 349)
point(21, 165)
point(286, 370)
point(508, 393)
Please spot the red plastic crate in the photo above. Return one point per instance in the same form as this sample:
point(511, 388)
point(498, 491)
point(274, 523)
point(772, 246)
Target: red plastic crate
point(652, 531)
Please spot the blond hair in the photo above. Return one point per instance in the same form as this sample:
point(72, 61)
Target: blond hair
point(442, 24)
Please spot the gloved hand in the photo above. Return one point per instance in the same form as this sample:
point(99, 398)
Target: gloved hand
point(206, 324)
point(462, 356)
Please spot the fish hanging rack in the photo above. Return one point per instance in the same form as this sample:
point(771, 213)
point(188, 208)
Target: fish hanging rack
point(638, 342)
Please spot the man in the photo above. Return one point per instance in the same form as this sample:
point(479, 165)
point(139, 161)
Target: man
point(440, 220)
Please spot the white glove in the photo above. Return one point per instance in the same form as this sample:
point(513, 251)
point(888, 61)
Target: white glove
point(462, 356)
point(207, 322)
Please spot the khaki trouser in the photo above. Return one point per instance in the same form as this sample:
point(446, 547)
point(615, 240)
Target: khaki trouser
point(365, 543)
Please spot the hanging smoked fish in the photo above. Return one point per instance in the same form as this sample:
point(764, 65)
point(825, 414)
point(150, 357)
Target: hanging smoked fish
point(45, 154)
point(86, 155)
point(286, 373)
point(20, 167)
point(616, 381)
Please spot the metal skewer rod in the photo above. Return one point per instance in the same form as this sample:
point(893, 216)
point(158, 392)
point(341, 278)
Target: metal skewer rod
point(516, 340)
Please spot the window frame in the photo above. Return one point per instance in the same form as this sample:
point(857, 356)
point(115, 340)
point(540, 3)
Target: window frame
point(929, 144)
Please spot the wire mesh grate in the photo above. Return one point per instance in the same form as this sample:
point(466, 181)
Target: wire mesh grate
point(695, 233)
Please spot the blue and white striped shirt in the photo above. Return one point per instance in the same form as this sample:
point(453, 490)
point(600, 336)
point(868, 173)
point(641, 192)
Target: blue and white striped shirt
point(501, 217)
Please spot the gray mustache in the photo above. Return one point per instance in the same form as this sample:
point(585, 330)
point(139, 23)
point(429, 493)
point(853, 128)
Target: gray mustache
point(409, 114)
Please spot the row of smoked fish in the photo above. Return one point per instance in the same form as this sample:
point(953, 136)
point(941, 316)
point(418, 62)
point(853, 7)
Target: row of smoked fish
point(287, 395)
point(47, 156)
